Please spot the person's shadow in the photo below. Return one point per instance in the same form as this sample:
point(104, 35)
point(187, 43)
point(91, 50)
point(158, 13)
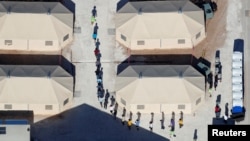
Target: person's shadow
point(195, 137)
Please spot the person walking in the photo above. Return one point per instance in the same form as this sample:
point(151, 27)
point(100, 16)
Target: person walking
point(100, 75)
point(112, 99)
point(123, 115)
point(97, 43)
point(94, 12)
point(115, 113)
point(217, 111)
point(111, 108)
point(210, 91)
point(225, 119)
point(137, 123)
point(93, 20)
point(107, 94)
point(171, 133)
point(180, 123)
point(129, 124)
point(195, 137)
point(216, 81)
point(98, 63)
point(100, 99)
point(162, 120)
point(151, 126)
point(96, 52)
point(97, 71)
point(105, 103)
point(172, 123)
point(181, 115)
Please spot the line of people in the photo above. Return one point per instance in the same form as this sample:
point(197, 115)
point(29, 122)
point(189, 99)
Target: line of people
point(137, 122)
point(103, 96)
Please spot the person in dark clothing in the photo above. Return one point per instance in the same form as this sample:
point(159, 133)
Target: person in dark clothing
point(123, 115)
point(95, 29)
point(215, 82)
point(215, 85)
point(105, 105)
point(151, 126)
point(97, 71)
point(217, 111)
point(100, 99)
point(162, 120)
point(137, 124)
point(112, 99)
point(98, 63)
point(96, 51)
point(94, 12)
point(115, 113)
point(129, 124)
point(97, 43)
point(100, 75)
point(107, 94)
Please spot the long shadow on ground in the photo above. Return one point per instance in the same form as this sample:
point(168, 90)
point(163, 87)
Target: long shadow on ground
point(86, 123)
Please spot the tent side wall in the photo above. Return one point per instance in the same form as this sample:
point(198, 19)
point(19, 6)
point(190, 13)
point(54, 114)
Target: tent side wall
point(145, 108)
point(38, 109)
point(10, 106)
point(199, 37)
point(66, 39)
point(121, 102)
point(122, 39)
point(13, 44)
point(169, 108)
point(176, 43)
point(44, 109)
point(198, 102)
point(66, 104)
point(43, 45)
point(145, 44)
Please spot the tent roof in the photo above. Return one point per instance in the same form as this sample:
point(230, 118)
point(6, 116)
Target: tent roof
point(158, 6)
point(160, 83)
point(34, 20)
point(159, 19)
point(36, 84)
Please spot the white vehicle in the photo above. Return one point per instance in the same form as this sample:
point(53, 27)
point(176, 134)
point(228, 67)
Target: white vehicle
point(238, 108)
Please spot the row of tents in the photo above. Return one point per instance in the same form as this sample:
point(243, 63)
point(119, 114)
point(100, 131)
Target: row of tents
point(139, 25)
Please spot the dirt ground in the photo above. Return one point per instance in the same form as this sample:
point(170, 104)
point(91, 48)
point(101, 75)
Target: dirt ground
point(216, 34)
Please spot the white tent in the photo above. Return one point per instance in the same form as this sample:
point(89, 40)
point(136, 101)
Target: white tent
point(42, 89)
point(160, 25)
point(35, 26)
point(157, 88)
